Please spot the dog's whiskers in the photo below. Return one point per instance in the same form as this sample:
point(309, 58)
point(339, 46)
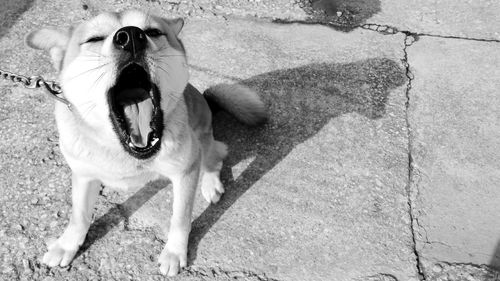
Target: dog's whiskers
point(96, 53)
point(85, 108)
point(86, 103)
point(88, 111)
point(97, 80)
point(89, 70)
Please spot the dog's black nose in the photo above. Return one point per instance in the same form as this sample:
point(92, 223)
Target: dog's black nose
point(131, 39)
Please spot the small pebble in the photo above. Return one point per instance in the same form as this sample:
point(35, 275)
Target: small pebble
point(26, 265)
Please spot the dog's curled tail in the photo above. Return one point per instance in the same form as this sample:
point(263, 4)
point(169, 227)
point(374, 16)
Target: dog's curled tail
point(240, 101)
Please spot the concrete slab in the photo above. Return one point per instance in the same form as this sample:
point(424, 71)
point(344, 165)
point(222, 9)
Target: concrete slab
point(455, 125)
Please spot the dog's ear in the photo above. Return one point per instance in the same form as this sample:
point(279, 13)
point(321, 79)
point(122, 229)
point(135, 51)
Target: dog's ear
point(54, 41)
point(175, 25)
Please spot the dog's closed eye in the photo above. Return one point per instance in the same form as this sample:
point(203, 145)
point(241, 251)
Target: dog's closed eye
point(94, 39)
point(153, 32)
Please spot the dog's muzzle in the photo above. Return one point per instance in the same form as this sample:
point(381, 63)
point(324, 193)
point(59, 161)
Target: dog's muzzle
point(135, 111)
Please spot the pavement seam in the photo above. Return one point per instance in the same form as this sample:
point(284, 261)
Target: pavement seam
point(387, 29)
point(381, 28)
point(409, 39)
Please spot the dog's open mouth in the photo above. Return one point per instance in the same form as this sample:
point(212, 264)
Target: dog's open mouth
point(135, 111)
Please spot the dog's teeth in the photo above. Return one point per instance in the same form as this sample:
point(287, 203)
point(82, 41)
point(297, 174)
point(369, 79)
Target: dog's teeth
point(154, 141)
point(130, 144)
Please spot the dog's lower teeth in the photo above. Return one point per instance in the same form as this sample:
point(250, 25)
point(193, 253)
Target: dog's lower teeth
point(154, 141)
point(130, 144)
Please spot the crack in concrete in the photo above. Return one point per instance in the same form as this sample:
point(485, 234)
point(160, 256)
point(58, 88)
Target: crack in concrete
point(381, 28)
point(391, 30)
point(384, 29)
point(409, 39)
point(474, 265)
point(421, 227)
point(429, 242)
point(378, 277)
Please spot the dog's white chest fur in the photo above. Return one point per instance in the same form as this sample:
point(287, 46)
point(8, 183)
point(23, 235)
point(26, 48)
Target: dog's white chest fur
point(90, 154)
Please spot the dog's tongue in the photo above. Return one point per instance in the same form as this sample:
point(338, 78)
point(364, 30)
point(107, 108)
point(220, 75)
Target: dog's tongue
point(139, 118)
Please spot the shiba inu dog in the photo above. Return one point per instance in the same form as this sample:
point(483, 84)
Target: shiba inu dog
point(134, 118)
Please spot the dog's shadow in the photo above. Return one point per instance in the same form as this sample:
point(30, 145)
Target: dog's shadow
point(301, 102)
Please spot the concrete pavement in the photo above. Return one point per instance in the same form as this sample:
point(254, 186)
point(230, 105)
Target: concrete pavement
point(454, 117)
point(378, 162)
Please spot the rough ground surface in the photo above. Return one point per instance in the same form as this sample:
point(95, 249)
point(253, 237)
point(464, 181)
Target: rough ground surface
point(378, 163)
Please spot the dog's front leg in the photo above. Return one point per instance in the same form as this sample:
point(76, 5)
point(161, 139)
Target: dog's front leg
point(84, 194)
point(174, 255)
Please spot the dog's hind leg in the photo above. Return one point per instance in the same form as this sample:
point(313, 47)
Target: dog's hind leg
point(211, 186)
point(84, 194)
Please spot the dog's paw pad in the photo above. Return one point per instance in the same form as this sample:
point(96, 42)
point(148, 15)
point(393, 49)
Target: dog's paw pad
point(58, 256)
point(211, 188)
point(171, 263)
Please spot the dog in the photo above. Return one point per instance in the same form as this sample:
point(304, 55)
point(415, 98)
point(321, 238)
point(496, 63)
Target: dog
point(135, 118)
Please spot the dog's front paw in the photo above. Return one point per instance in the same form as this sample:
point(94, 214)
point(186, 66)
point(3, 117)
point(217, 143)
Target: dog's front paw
point(211, 187)
point(171, 261)
point(58, 254)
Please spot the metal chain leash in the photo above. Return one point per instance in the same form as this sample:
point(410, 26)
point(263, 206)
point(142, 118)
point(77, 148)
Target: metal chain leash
point(34, 82)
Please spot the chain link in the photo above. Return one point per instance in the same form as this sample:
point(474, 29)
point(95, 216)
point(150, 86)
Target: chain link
point(34, 82)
